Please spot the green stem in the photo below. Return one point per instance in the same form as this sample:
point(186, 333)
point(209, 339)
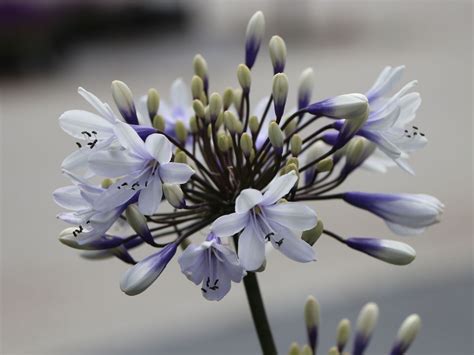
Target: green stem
point(259, 316)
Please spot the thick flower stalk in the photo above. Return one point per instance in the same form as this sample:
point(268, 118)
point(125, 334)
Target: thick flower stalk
point(240, 171)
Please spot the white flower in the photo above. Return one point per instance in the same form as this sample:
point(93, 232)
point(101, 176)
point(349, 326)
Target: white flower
point(212, 264)
point(261, 218)
point(143, 166)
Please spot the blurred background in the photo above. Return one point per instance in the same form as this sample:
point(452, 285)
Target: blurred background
point(54, 302)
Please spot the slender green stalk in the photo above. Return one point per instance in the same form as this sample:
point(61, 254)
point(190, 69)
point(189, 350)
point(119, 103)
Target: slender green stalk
point(259, 316)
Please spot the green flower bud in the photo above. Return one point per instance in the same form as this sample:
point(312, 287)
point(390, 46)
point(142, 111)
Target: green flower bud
point(312, 235)
point(238, 126)
point(207, 114)
point(200, 67)
point(153, 102)
point(198, 108)
point(293, 160)
point(367, 320)
point(106, 183)
point(294, 349)
point(159, 123)
point(193, 126)
point(306, 350)
point(137, 220)
point(290, 127)
point(215, 105)
point(222, 142)
point(279, 92)
point(197, 87)
point(181, 131)
point(244, 77)
point(312, 316)
point(343, 334)
point(253, 124)
point(296, 144)
point(220, 120)
point(275, 135)
point(228, 98)
point(277, 48)
point(237, 98)
point(180, 157)
point(324, 165)
point(184, 244)
point(357, 151)
point(174, 195)
point(291, 167)
point(407, 332)
point(252, 155)
point(229, 121)
point(246, 143)
point(333, 351)
point(123, 98)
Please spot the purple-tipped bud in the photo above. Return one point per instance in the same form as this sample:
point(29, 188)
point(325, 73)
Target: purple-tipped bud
point(406, 334)
point(312, 318)
point(103, 242)
point(254, 37)
point(280, 93)
point(348, 106)
point(365, 327)
point(390, 251)
point(305, 88)
point(277, 48)
point(140, 276)
point(405, 214)
point(124, 100)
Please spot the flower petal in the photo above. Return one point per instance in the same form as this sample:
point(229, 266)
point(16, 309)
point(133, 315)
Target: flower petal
point(130, 140)
point(175, 173)
point(230, 224)
point(150, 197)
point(292, 215)
point(139, 277)
point(247, 199)
point(279, 187)
point(69, 197)
point(290, 245)
point(115, 163)
point(102, 108)
point(74, 122)
point(159, 147)
point(230, 262)
point(193, 263)
point(251, 248)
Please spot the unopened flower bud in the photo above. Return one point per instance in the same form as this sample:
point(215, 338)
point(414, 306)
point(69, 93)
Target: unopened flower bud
point(246, 144)
point(227, 98)
point(253, 37)
point(333, 351)
point(296, 144)
point(312, 235)
point(290, 127)
point(180, 157)
point(245, 78)
point(316, 151)
point(293, 160)
point(275, 135)
point(184, 244)
point(200, 69)
point(159, 123)
point(222, 142)
point(138, 222)
point(406, 334)
point(174, 195)
point(237, 98)
point(193, 126)
point(152, 102)
point(123, 98)
point(366, 322)
point(198, 108)
point(253, 124)
point(215, 105)
point(288, 168)
point(220, 119)
point(71, 238)
point(106, 183)
point(229, 120)
point(390, 251)
point(357, 151)
point(294, 349)
point(305, 88)
point(279, 92)
point(277, 48)
point(343, 334)
point(324, 165)
point(197, 87)
point(252, 155)
point(312, 316)
point(346, 106)
point(238, 126)
point(181, 131)
point(306, 350)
